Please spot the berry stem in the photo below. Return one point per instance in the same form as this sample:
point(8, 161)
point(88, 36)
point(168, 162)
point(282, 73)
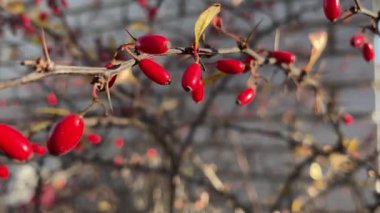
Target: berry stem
point(127, 48)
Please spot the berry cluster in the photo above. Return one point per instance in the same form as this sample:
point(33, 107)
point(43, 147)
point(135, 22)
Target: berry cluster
point(64, 137)
point(358, 41)
point(332, 12)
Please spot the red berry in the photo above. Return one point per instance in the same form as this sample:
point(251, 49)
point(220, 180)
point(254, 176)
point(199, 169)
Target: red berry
point(331, 9)
point(37, 2)
point(152, 12)
point(43, 16)
point(191, 77)
point(284, 56)
point(154, 71)
point(4, 172)
point(142, 3)
point(65, 135)
point(119, 142)
point(38, 149)
point(357, 40)
point(246, 96)
point(25, 20)
point(151, 153)
point(14, 144)
point(230, 66)
point(348, 119)
point(118, 160)
point(65, 4)
point(52, 99)
point(56, 10)
point(368, 52)
point(198, 93)
point(94, 138)
point(152, 44)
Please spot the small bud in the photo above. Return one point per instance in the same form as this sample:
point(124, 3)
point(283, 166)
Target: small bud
point(217, 22)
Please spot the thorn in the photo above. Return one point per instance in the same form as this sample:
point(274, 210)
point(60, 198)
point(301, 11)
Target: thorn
point(250, 35)
point(109, 95)
point(130, 34)
point(44, 45)
point(203, 66)
point(276, 40)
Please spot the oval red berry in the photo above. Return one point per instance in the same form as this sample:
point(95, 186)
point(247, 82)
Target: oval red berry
point(230, 66)
point(94, 138)
point(191, 77)
point(331, 8)
point(154, 71)
point(357, 40)
point(368, 52)
point(52, 99)
point(38, 149)
point(348, 119)
point(246, 96)
point(152, 44)
point(284, 56)
point(198, 93)
point(119, 142)
point(4, 172)
point(14, 144)
point(65, 135)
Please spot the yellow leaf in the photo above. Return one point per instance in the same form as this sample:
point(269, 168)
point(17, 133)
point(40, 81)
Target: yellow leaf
point(340, 162)
point(16, 7)
point(351, 145)
point(36, 127)
point(204, 20)
point(212, 78)
point(315, 171)
point(377, 186)
point(51, 110)
point(104, 206)
point(297, 205)
point(169, 104)
point(320, 184)
point(318, 42)
point(302, 151)
point(126, 75)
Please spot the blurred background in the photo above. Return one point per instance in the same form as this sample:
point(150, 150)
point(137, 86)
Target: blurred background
point(161, 152)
